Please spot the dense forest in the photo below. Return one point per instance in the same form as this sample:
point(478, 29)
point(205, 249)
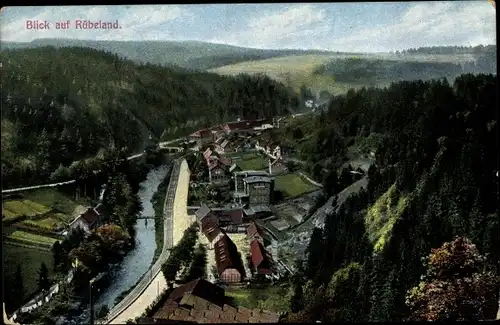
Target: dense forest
point(384, 71)
point(64, 104)
point(451, 50)
point(434, 179)
point(192, 55)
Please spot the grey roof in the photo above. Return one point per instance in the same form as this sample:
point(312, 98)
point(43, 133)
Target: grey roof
point(253, 173)
point(202, 212)
point(255, 179)
point(240, 194)
point(261, 208)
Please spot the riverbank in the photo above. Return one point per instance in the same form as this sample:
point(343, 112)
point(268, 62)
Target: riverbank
point(158, 201)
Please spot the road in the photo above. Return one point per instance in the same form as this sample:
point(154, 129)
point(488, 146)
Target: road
point(162, 145)
point(167, 243)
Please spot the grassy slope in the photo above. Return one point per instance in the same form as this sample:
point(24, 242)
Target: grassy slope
point(382, 215)
point(298, 70)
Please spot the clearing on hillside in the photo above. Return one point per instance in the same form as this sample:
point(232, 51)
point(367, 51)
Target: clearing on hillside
point(293, 184)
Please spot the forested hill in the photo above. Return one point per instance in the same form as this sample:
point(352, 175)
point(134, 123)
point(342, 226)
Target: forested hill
point(434, 179)
point(59, 105)
point(186, 54)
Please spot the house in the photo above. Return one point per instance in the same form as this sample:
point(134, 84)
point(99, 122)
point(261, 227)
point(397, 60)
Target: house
point(87, 221)
point(258, 211)
point(239, 176)
point(217, 131)
point(259, 189)
point(261, 260)
point(224, 147)
point(207, 154)
point(222, 217)
point(253, 187)
point(229, 264)
point(217, 171)
point(201, 137)
point(212, 231)
point(254, 233)
point(200, 301)
point(228, 217)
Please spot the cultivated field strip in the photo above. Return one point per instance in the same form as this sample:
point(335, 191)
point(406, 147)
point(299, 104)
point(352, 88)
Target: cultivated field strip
point(167, 244)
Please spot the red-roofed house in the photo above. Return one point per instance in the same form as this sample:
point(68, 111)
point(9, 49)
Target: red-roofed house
point(261, 260)
point(202, 302)
point(254, 232)
point(217, 171)
point(229, 263)
point(202, 137)
point(87, 221)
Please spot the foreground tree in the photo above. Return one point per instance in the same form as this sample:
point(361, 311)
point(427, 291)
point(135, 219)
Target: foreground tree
point(458, 285)
point(43, 278)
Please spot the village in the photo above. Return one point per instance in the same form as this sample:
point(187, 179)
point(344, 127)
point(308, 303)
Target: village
point(240, 194)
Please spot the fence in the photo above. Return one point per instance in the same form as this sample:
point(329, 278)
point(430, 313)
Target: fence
point(42, 298)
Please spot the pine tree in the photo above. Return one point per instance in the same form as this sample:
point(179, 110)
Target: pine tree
point(43, 278)
point(18, 287)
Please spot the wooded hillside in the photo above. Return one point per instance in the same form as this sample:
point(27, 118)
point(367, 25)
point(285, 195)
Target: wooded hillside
point(60, 105)
point(434, 179)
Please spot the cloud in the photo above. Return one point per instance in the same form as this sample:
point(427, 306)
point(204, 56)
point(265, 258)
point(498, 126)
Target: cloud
point(278, 28)
point(136, 22)
point(427, 24)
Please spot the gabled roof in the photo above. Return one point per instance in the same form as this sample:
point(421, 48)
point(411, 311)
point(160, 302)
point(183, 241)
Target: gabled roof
point(203, 133)
point(253, 230)
point(260, 258)
point(219, 140)
point(211, 230)
point(258, 179)
point(207, 153)
point(235, 215)
point(200, 288)
point(90, 216)
point(202, 212)
point(226, 256)
point(247, 173)
point(215, 163)
point(224, 143)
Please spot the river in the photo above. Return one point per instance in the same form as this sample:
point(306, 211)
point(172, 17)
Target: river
point(138, 260)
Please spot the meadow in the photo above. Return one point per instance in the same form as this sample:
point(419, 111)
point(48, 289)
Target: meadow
point(295, 71)
point(30, 260)
point(292, 184)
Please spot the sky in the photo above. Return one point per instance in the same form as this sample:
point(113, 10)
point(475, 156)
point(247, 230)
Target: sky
point(360, 27)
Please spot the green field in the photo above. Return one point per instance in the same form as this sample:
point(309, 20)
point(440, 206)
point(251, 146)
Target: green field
point(30, 260)
point(292, 71)
point(30, 238)
point(53, 221)
point(273, 298)
point(293, 185)
point(54, 199)
point(251, 161)
point(15, 209)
